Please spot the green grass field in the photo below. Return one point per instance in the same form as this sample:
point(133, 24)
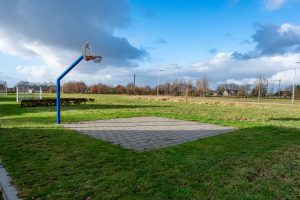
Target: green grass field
point(259, 161)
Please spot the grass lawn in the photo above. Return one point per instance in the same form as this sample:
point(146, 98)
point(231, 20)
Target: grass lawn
point(259, 161)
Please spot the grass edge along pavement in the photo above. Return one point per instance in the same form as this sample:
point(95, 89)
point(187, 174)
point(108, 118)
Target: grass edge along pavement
point(260, 161)
point(7, 189)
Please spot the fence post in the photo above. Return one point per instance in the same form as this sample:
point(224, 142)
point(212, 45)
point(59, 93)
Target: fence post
point(41, 93)
point(17, 91)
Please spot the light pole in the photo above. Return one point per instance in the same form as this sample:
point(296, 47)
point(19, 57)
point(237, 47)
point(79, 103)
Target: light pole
point(157, 90)
point(293, 95)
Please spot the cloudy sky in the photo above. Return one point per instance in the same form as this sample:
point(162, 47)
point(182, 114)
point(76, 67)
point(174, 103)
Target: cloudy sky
point(226, 40)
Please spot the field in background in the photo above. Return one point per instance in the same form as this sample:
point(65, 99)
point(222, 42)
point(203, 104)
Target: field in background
point(260, 161)
point(193, 99)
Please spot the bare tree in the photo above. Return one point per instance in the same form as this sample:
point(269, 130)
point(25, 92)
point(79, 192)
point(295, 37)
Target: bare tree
point(120, 89)
point(188, 88)
point(221, 88)
point(166, 87)
point(176, 87)
point(101, 88)
point(260, 87)
point(75, 87)
point(3, 85)
point(244, 90)
point(130, 88)
point(202, 86)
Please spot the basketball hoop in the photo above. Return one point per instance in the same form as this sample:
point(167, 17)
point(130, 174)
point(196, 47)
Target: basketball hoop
point(96, 59)
point(86, 50)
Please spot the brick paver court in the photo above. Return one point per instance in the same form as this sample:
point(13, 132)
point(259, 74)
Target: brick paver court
point(147, 133)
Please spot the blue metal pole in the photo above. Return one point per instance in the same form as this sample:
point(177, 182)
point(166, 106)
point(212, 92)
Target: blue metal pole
point(58, 101)
point(58, 87)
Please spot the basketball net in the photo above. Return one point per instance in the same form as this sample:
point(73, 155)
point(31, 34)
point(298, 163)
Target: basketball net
point(86, 54)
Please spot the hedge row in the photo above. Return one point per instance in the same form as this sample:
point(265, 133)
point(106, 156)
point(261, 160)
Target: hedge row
point(52, 102)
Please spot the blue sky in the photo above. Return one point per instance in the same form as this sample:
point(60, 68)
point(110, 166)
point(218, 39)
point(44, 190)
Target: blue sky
point(196, 27)
point(193, 27)
point(226, 40)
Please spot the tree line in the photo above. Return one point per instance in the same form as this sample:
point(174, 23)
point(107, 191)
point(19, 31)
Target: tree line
point(178, 87)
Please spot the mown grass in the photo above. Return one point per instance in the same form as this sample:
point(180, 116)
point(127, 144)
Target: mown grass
point(259, 161)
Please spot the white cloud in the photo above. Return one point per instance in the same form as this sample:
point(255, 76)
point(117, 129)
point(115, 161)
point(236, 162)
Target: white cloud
point(35, 73)
point(286, 28)
point(274, 4)
point(59, 44)
point(55, 30)
point(14, 47)
point(41, 31)
point(56, 58)
point(239, 82)
point(287, 76)
point(271, 39)
point(224, 68)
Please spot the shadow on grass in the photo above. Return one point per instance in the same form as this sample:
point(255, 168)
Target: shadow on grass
point(7, 98)
point(286, 119)
point(15, 109)
point(60, 160)
point(109, 106)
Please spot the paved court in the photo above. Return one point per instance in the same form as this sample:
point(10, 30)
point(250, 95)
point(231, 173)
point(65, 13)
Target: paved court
point(147, 133)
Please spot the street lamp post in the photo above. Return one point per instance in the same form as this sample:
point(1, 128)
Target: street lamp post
point(157, 89)
point(293, 95)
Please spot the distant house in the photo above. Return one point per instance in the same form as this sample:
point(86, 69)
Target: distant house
point(215, 93)
point(225, 93)
point(285, 93)
point(230, 93)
